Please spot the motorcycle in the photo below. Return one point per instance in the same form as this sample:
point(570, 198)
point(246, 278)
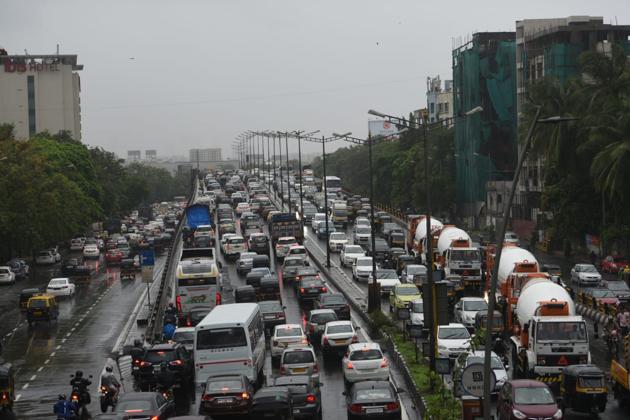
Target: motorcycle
point(612, 342)
point(81, 397)
point(108, 397)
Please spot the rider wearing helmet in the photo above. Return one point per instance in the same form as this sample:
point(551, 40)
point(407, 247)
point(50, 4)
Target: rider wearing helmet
point(81, 384)
point(108, 380)
point(64, 409)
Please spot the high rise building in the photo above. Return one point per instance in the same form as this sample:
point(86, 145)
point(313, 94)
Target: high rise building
point(439, 99)
point(40, 92)
point(133, 156)
point(150, 154)
point(204, 155)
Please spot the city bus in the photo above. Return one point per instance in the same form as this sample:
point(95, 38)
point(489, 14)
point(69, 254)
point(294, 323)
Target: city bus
point(198, 288)
point(333, 184)
point(230, 340)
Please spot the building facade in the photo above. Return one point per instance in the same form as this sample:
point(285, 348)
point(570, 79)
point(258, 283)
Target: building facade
point(484, 74)
point(204, 155)
point(551, 48)
point(40, 93)
point(439, 99)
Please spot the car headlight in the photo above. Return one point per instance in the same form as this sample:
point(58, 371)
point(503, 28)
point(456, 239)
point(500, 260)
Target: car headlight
point(558, 414)
point(519, 414)
point(441, 347)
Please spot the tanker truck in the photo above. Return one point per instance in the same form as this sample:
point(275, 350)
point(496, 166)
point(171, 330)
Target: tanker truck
point(550, 336)
point(417, 232)
point(457, 256)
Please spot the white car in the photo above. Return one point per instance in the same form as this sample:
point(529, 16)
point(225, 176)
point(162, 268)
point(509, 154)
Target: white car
point(185, 336)
point(387, 278)
point(466, 309)
point(338, 335)
point(362, 268)
point(284, 336)
point(468, 358)
point(362, 235)
point(91, 251)
point(284, 244)
point(76, 244)
point(6, 275)
point(361, 222)
point(365, 362)
point(317, 219)
point(452, 340)
point(336, 241)
point(242, 208)
point(244, 262)
point(585, 275)
point(298, 251)
point(417, 313)
point(45, 258)
point(349, 254)
point(410, 271)
point(60, 287)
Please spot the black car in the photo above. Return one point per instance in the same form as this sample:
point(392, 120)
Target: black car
point(19, 267)
point(335, 301)
point(196, 315)
point(229, 394)
point(72, 267)
point(243, 294)
point(268, 289)
point(302, 272)
point(381, 249)
point(177, 358)
point(260, 261)
point(373, 399)
point(272, 403)
point(306, 398)
point(311, 288)
point(273, 313)
point(259, 243)
point(144, 405)
point(254, 276)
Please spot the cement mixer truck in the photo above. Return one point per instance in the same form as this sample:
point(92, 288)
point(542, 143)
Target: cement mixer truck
point(457, 256)
point(550, 336)
point(417, 232)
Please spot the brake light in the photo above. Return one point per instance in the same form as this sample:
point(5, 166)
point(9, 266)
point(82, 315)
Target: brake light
point(356, 408)
point(178, 302)
point(384, 363)
point(349, 365)
point(324, 290)
point(206, 397)
point(325, 340)
point(176, 363)
point(310, 398)
point(392, 406)
point(217, 298)
point(355, 339)
point(316, 368)
point(155, 418)
point(143, 364)
point(75, 397)
point(245, 396)
point(311, 328)
point(137, 362)
point(188, 322)
point(275, 343)
point(282, 370)
point(301, 290)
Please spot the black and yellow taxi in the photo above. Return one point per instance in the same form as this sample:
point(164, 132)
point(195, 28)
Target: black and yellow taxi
point(42, 307)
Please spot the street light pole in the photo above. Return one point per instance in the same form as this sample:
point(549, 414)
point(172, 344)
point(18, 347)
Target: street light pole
point(326, 202)
point(281, 186)
point(286, 142)
point(275, 181)
point(301, 177)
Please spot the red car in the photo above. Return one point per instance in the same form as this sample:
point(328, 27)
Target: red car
point(527, 399)
point(114, 256)
point(613, 263)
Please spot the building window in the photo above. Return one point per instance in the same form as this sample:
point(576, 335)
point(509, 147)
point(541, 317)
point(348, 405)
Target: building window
point(499, 199)
point(432, 108)
point(30, 85)
point(446, 107)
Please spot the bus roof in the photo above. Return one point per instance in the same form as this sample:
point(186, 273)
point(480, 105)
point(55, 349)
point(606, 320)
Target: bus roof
point(229, 315)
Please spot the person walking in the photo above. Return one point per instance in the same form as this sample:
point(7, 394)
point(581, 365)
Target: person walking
point(623, 321)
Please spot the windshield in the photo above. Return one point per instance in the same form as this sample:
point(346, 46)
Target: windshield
point(286, 241)
point(603, 294)
point(416, 269)
point(298, 357)
point(533, 396)
point(407, 291)
point(57, 283)
point(591, 381)
point(417, 307)
point(289, 332)
point(373, 394)
point(186, 337)
point(363, 231)
point(495, 362)
point(354, 250)
point(336, 329)
point(220, 338)
point(223, 385)
point(364, 263)
point(475, 305)
point(453, 333)
point(588, 269)
point(366, 354)
point(618, 285)
point(337, 236)
point(465, 255)
point(293, 263)
point(386, 275)
point(320, 216)
point(159, 356)
point(133, 406)
point(333, 183)
point(332, 299)
point(554, 331)
point(270, 307)
point(323, 318)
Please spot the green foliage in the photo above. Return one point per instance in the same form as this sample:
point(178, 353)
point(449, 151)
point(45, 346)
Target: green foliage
point(54, 187)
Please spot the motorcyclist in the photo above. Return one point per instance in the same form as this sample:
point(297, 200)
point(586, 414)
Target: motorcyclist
point(170, 313)
point(168, 331)
point(64, 409)
point(108, 380)
point(81, 384)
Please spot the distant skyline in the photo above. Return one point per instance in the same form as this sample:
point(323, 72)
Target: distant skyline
point(173, 76)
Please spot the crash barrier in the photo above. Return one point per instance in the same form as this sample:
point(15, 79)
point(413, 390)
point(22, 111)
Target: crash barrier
point(595, 315)
point(398, 216)
point(605, 309)
point(394, 355)
point(154, 325)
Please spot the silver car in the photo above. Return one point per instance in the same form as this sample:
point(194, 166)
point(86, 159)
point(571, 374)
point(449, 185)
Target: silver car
point(244, 263)
point(585, 275)
point(299, 361)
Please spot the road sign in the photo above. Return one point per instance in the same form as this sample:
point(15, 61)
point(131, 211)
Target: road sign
point(147, 257)
point(147, 274)
point(472, 379)
point(403, 314)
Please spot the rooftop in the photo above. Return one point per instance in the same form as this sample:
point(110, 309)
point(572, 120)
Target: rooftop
point(66, 59)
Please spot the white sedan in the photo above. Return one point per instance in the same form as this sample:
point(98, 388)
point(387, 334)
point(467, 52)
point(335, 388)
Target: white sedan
point(284, 336)
point(60, 287)
point(349, 254)
point(365, 362)
point(338, 335)
point(336, 241)
point(6, 275)
point(91, 251)
point(45, 258)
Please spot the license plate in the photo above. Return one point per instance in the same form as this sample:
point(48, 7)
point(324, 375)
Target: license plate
point(299, 370)
point(224, 400)
point(268, 317)
point(37, 313)
point(296, 411)
point(339, 341)
point(373, 410)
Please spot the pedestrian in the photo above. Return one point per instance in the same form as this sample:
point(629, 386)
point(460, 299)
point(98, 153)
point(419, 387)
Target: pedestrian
point(623, 321)
point(593, 257)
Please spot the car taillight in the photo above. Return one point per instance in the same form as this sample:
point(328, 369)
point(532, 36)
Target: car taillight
point(282, 370)
point(176, 363)
point(275, 343)
point(310, 398)
point(583, 359)
point(155, 418)
point(217, 298)
point(384, 363)
point(178, 302)
point(311, 328)
point(75, 397)
point(392, 406)
point(301, 290)
point(316, 368)
point(137, 362)
point(143, 364)
point(349, 365)
point(325, 340)
point(355, 339)
point(245, 396)
point(206, 397)
point(356, 408)
point(541, 360)
point(324, 290)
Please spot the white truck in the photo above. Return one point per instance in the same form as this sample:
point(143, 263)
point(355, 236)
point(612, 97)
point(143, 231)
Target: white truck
point(417, 232)
point(549, 335)
point(457, 256)
point(339, 213)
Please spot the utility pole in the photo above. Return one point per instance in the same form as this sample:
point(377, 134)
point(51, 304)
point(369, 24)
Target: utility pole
point(286, 142)
point(326, 202)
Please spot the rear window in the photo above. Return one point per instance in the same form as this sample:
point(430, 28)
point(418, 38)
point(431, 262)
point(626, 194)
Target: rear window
point(288, 332)
point(286, 241)
point(224, 385)
point(158, 356)
point(236, 241)
point(184, 337)
point(372, 354)
point(37, 303)
point(323, 318)
point(373, 394)
point(259, 239)
point(292, 357)
point(133, 407)
point(336, 329)
point(219, 338)
point(333, 299)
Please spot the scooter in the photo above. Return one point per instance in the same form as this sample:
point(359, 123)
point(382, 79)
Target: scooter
point(108, 397)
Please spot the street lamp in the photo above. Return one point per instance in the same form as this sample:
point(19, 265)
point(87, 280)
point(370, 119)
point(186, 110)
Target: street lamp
point(426, 127)
point(497, 259)
point(297, 135)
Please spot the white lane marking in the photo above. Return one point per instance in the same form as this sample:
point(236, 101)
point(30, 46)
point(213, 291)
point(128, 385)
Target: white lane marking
point(33, 377)
point(46, 361)
point(17, 397)
point(58, 347)
point(69, 334)
point(25, 386)
point(77, 324)
point(40, 368)
point(53, 354)
point(73, 328)
point(63, 340)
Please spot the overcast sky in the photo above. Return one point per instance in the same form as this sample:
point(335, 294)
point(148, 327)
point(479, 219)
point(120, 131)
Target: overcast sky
point(173, 75)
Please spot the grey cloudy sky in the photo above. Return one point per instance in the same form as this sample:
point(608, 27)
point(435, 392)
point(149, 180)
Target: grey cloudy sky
point(205, 70)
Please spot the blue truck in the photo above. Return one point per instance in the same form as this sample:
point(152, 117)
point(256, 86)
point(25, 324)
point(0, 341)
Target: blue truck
point(201, 228)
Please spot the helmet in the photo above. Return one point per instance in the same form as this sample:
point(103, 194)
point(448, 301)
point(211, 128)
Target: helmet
point(109, 369)
point(62, 396)
point(79, 374)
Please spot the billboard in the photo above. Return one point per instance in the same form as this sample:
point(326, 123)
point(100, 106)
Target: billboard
point(381, 128)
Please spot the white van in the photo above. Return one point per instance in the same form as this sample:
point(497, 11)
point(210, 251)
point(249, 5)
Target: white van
point(230, 340)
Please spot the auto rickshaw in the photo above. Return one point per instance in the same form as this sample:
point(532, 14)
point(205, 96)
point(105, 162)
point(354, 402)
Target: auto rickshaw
point(7, 387)
point(25, 295)
point(127, 269)
point(458, 284)
point(272, 403)
point(42, 307)
point(583, 389)
point(481, 319)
